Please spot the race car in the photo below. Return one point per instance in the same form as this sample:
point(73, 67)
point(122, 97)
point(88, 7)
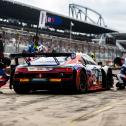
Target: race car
point(58, 71)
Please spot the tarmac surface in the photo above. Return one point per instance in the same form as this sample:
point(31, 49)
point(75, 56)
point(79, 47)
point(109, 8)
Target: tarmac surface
point(43, 108)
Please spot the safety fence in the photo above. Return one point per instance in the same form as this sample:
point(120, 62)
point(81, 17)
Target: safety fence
point(101, 53)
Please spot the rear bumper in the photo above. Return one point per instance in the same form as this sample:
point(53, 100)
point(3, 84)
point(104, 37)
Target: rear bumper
point(46, 85)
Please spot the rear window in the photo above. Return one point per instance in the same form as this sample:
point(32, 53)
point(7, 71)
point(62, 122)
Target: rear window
point(47, 61)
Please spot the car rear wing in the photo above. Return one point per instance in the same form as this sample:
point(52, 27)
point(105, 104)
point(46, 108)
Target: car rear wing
point(23, 55)
point(27, 55)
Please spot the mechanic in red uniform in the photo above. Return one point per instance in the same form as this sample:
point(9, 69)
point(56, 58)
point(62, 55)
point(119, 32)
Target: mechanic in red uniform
point(4, 62)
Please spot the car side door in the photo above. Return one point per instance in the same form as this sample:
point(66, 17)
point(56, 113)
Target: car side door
point(93, 71)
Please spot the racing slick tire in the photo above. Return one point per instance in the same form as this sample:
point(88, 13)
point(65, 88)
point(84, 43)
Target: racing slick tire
point(21, 89)
point(109, 79)
point(83, 82)
point(104, 84)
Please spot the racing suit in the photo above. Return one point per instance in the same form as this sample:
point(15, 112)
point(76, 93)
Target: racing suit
point(32, 48)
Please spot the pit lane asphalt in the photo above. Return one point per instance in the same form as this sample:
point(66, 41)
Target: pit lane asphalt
point(101, 108)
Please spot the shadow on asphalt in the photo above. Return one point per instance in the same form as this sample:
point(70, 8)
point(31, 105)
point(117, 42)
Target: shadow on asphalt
point(45, 92)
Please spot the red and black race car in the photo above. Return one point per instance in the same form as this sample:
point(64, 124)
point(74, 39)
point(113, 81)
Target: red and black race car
point(50, 71)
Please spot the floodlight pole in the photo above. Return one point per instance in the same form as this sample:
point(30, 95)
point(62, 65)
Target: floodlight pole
point(70, 33)
point(37, 30)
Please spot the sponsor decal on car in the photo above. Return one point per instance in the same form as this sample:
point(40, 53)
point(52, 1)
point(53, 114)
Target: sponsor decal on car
point(39, 69)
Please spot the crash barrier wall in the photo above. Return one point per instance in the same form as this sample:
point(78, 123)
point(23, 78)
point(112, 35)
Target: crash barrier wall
point(101, 53)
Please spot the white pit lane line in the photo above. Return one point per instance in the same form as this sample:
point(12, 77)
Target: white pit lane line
point(85, 116)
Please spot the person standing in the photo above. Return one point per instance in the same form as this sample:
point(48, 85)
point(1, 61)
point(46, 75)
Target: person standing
point(4, 62)
point(32, 47)
point(122, 76)
point(35, 46)
point(1, 47)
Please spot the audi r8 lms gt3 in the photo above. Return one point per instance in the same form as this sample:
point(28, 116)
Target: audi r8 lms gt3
point(50, 71)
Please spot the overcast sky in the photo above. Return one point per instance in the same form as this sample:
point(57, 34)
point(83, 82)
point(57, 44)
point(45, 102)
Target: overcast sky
point(113, 11)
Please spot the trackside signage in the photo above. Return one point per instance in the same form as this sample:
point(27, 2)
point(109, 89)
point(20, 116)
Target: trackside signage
point(42, 19)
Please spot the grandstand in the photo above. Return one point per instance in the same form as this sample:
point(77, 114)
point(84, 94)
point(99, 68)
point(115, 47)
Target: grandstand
point(19, 22)
point(18, 14)
point(120, 41)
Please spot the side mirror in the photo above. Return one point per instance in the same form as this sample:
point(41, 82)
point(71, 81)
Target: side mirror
point(73, 56)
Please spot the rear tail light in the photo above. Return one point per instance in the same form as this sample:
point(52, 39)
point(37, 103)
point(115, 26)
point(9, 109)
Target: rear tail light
point(18, 70)
point(64, 70)
point(24, 80)
point(55, 80)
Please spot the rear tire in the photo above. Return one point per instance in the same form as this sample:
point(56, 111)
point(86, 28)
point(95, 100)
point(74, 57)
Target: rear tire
point(104, 84)
point(109, 79)
point(21, 89)
point(83, 82)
